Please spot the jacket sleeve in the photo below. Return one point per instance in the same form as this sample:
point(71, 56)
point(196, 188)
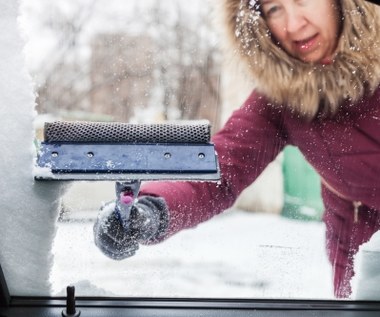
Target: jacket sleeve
point(249, 141)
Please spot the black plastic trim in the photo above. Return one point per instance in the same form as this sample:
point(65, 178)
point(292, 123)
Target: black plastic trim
point(100, 306)
point(5, 297)
point(199, 303)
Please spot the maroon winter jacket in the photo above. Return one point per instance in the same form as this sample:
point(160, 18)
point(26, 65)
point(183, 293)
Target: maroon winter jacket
point(344, 150)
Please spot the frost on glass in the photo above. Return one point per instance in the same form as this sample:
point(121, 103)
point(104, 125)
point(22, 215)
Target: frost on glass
point(144, 61)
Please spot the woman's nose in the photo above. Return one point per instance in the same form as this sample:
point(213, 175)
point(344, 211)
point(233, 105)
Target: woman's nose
point(295, 21)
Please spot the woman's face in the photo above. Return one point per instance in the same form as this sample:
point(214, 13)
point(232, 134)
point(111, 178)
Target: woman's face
point(306, 29)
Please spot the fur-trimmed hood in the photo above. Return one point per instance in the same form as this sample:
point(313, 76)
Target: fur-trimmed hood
point(309, 88)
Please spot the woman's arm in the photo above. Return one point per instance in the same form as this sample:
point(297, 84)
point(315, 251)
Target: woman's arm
point(249, 141)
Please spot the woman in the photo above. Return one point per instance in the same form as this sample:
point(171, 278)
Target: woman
point(316, 65)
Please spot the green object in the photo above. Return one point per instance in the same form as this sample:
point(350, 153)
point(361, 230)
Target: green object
point(302, 187)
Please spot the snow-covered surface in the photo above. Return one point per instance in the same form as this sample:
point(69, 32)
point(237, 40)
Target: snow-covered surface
point(236, 254)
point(28, 211)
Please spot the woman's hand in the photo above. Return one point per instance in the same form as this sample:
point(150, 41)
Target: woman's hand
point(120, 239)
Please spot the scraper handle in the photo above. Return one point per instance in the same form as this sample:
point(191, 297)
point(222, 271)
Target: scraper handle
point(126, 195)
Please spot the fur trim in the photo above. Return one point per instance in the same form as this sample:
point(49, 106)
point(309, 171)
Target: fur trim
point(309, 88)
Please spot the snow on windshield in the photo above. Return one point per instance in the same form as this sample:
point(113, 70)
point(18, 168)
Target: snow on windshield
point(28, 210)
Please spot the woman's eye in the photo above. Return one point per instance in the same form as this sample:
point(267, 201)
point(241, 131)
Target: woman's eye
point(271, 11)
point(303, 2)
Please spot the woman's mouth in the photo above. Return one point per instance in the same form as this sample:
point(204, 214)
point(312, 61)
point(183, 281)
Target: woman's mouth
point(306, 45)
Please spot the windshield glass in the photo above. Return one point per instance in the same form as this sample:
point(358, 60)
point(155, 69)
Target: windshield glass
point(162, 62)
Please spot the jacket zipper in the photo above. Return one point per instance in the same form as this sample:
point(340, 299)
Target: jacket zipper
point(355, 203)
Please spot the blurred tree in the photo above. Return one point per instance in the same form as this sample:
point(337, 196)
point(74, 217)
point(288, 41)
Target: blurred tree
point(163, 61)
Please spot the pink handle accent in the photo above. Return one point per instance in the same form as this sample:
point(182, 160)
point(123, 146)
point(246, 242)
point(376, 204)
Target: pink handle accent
point(126, 198)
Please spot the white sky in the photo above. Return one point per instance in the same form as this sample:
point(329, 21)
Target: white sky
point(108, 15)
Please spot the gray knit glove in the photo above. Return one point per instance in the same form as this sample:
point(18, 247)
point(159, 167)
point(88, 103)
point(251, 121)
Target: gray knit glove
point(119, 237)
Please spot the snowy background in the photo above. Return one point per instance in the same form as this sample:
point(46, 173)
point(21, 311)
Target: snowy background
point(237, 254)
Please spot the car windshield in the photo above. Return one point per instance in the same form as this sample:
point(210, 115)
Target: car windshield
point(146, 62)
